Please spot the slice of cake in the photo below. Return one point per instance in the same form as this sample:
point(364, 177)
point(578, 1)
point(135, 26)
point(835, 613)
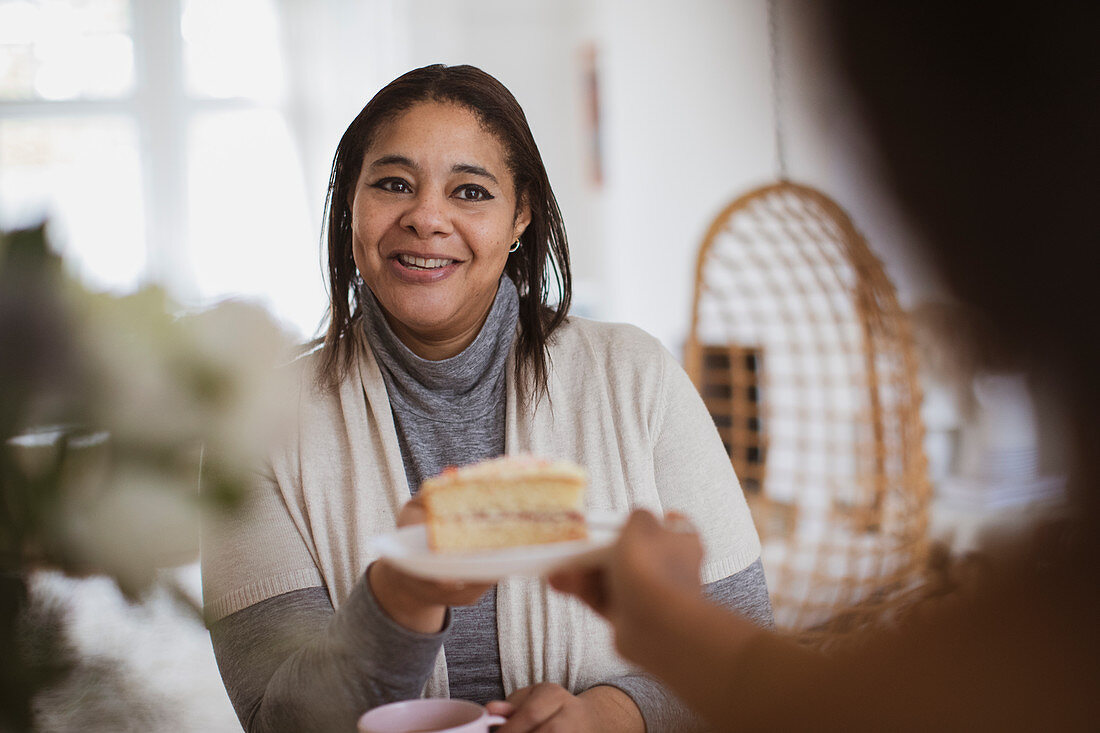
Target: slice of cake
point(504, 502)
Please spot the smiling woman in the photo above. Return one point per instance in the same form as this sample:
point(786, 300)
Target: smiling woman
point(442, 350)
point(463, 112)
point(431, 228)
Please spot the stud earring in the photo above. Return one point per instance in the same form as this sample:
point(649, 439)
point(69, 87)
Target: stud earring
point(514, 247)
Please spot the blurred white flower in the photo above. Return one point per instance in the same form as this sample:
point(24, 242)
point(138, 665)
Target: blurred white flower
point(136, 396)
point(236, 359)
point(144, 519)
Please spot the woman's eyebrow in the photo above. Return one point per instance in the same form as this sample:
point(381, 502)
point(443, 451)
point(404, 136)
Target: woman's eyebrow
point(475, 170)
point(400, 160)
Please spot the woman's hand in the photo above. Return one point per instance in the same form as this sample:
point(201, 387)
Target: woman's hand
point(415, 603)
point(649, 565)
point(550, 708)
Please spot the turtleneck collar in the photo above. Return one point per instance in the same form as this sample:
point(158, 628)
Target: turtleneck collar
point(460, 387)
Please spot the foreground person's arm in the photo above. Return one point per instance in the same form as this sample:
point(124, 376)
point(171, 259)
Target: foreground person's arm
point(1019, 653)
point(638, 701)
point(633, 702)
point(744, 593)
point(693, 474)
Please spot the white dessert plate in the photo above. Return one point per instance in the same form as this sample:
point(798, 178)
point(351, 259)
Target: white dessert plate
point(407, 548)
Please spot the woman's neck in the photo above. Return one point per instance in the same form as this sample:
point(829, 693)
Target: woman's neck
point(432, 347)
point(499, 313)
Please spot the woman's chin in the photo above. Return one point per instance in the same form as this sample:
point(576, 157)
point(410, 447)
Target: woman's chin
point(429, 325)
point(419, 308)
point(433, 316)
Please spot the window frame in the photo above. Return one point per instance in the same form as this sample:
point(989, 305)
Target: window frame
point(161, 111)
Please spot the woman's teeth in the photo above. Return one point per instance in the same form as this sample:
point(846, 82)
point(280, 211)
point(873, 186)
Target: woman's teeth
point(422, 263)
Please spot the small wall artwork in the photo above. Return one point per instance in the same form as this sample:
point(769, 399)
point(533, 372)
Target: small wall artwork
point(591, 105)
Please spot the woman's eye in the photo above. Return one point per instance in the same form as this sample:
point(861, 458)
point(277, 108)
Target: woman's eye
point(393, 185)
point(473, 192)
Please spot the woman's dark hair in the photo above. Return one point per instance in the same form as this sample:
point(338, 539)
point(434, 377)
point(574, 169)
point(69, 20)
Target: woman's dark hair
point(543, 242)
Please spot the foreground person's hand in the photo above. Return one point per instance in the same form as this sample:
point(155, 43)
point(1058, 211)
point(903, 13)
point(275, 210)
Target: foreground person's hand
point(650, 563)
point(550, 708)
point(416, 603)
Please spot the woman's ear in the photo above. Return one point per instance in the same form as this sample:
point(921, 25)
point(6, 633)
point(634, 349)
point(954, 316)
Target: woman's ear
point(523, 219)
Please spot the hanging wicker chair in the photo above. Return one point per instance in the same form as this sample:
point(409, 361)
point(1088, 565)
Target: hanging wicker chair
point(806, 363)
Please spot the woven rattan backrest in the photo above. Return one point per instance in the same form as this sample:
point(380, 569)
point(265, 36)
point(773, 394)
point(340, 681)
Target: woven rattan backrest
point(805, 360)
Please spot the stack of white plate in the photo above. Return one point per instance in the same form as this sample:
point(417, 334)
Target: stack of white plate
point(999, 454)
point(980, 493)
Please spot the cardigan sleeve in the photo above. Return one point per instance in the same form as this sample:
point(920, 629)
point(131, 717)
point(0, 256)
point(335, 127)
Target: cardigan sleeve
point(257, 550)
point(694, 475)
point(254, 553)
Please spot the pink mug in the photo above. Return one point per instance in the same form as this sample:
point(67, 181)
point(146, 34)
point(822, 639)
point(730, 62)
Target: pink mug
point(428, 716)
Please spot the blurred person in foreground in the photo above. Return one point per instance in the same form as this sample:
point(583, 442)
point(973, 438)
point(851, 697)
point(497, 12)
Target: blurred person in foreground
point(986, 119)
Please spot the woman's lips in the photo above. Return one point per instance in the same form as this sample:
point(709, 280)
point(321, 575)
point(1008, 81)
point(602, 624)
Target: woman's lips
point(420, 270)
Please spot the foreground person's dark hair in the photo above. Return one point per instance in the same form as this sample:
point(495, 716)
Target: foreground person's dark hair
point(987, 126)
point(543, 242)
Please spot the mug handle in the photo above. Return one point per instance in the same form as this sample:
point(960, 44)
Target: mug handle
point(496, 720)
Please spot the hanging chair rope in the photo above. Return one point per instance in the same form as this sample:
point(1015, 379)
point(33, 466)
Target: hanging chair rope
point(777, 89)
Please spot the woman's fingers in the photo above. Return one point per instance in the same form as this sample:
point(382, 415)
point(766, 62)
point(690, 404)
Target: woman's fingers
point(679, 523)
point(648, 550)
point(449, 593)
point(648, 545)
point(500, 707)
point(650, 555)
point(585, 583)
point(412, 513)
point(640, 522)
point(517, 698)
point(422, 592)
point(534, 706)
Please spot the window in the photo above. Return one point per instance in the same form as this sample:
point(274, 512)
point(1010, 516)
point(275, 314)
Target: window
point(155, 137)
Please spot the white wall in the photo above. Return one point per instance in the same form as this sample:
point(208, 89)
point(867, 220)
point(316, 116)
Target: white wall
point(343, 51)
point(339, 53)
point(687, 123)
point(690, 126)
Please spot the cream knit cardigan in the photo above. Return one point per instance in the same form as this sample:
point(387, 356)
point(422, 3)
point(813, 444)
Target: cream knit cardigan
point(619, 404)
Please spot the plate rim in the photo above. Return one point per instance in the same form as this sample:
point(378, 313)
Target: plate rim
point(494, 565)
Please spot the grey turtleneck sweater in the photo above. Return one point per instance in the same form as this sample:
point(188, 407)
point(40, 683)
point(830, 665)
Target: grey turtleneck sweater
point(292, 663)
point(450, 413)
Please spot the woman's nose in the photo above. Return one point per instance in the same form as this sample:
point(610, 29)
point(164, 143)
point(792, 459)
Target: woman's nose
point(427, 216)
